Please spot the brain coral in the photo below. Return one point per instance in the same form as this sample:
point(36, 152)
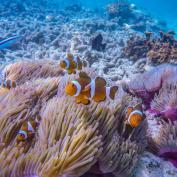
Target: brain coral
point(71, 138)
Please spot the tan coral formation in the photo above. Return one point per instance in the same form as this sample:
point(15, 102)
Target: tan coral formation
point(70, 138)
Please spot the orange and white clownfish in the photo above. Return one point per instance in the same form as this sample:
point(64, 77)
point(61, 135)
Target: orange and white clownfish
point(86, 88)
point(27, 130)
point(99, 91)
point(72, 63)
point(8, 84)
point(134, 115)
point(76, 88)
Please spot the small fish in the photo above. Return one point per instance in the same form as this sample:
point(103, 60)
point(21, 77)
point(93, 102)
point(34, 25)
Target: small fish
point(9, 42)
point(134, 115)
point(27, 130)
point(8, 84)
point(86, 88)
point(76, 88)
point(72, 63)
point(99, 91)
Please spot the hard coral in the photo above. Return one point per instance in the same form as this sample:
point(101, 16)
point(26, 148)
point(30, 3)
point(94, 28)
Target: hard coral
point(162, 49)
point(136, 48)
point(121, 9)
point(97, 43)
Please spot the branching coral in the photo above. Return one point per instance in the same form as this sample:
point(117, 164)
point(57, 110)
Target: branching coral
point(136, 48)
point(24, 71)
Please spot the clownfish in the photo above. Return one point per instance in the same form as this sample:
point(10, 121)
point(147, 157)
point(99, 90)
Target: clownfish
point(76, 88)
point(27, 130)
point(72, 63)
point(86, 88)
point(134, 115)
point(99, 91)
point(8, 84)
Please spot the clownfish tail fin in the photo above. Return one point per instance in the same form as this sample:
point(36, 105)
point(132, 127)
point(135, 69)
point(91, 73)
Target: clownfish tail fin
point(113, 91)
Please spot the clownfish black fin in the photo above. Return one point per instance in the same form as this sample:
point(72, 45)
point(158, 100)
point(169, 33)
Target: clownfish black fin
point(100, 81)
point(138, 106)
point(84, 75)
point(113, 91)
point(70, 56)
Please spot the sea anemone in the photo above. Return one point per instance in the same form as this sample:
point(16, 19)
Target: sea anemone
point(121, 152)
point(147, 84)
point(71, 138)
point(24, 71)
point(165, 102)
point(165, 143)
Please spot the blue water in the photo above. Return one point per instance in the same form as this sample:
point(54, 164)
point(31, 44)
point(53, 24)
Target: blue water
point(162, 10)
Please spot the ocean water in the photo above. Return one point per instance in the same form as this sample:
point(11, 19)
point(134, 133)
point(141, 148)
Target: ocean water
point(161, 9)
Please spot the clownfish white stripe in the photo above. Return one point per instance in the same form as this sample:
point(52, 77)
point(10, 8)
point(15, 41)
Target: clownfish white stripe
point(134, 112)
point(30, 128)
point(108, 89)
point(10, 83)
point(67, 63)
point(78, 86)
point(92, 86)
point(23, 133)
point(76, 61)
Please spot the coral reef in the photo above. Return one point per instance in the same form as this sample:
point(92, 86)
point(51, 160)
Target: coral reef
point(97, 43)
point(121, 9)
point(136, 48)
point(158, 50)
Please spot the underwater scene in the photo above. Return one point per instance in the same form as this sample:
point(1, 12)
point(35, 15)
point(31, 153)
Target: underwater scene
point(88, 88)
